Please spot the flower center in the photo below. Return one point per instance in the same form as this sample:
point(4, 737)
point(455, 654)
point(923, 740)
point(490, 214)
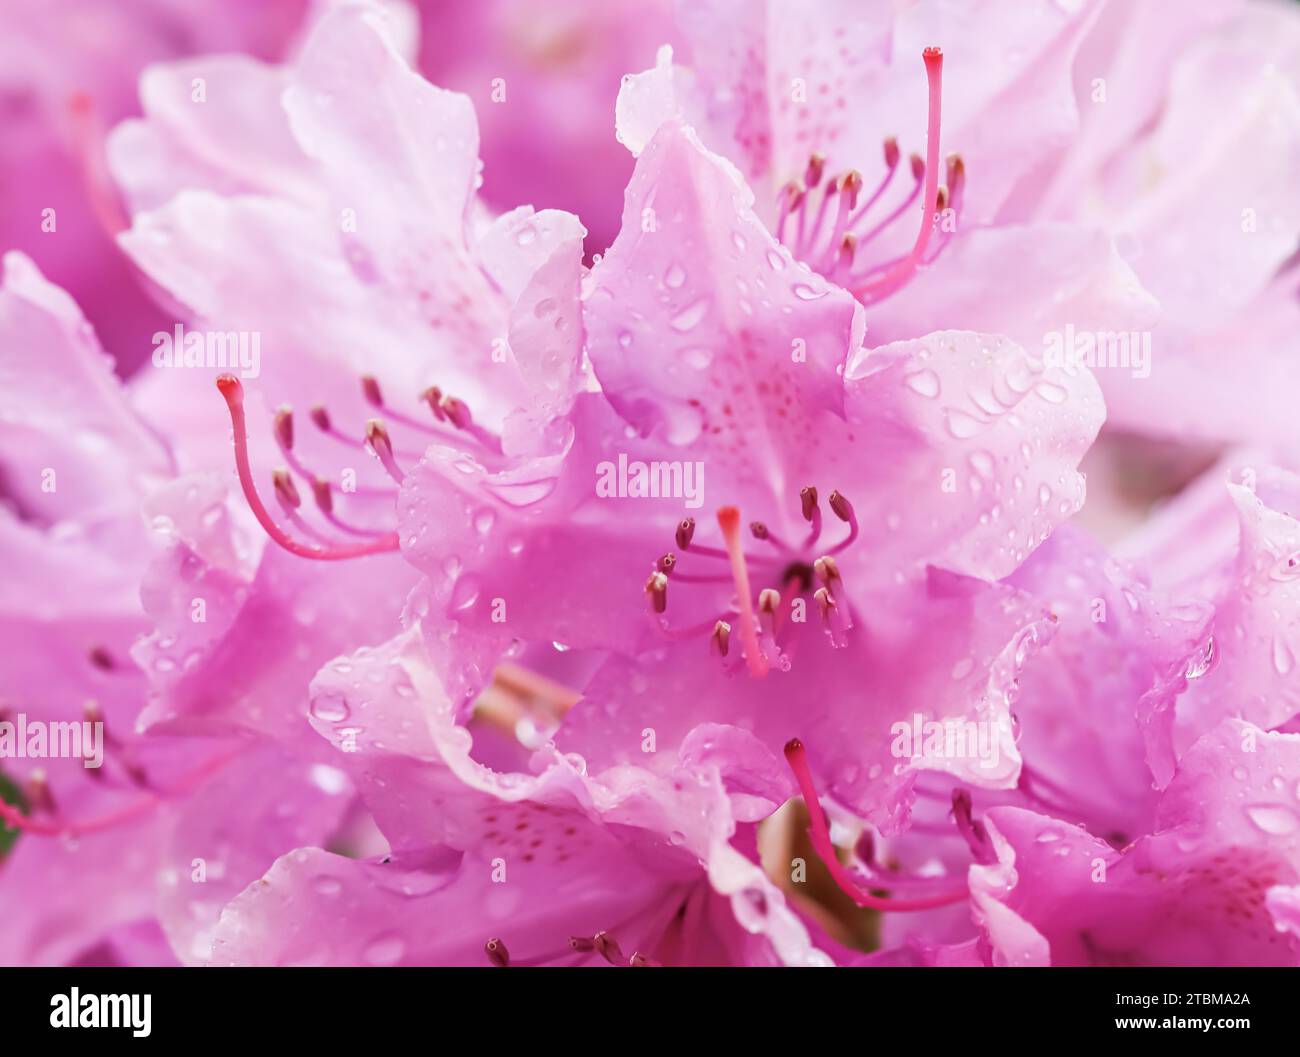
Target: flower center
point(786, 573)
point(453, 424)
point(825, 225)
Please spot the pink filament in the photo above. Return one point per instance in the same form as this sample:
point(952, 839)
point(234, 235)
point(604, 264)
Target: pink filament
point(820, 834)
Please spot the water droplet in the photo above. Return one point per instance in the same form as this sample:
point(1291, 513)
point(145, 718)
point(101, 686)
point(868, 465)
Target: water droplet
point(674, 276)
point(1276, 819)
point(925, 382)
point(689, 317)
point(384, 950)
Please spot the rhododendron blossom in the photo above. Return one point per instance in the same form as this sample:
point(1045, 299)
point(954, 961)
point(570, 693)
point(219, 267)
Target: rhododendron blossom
point(483, 577)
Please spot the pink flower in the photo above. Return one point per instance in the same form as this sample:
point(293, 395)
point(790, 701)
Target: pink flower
point(453, 598)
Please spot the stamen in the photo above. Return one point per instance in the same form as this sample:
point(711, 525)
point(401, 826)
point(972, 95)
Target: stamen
point(813, 174)
point(769, 605)
point(381, 444)
point(607, 947)
point(903, 269)
point(284, 427)
point(828, 572)
point(497, 953)
point(285, 490)
point(233, 393)
point(639, 961)
point(685, 532)
point(812, 513)
point(729, 522)
point(102, 659)
point(819, 833)
point(656, 589)
point(720, 639)
point(843, 510)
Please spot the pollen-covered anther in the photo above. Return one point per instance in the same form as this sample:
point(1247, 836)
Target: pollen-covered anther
point(36, 790)
point(848, 247)
point(769, 604)
point(497, 953)
point(382, 445)
point(656, 589)
point(685, 532)
point(433, 397)
point(607, 947)
point(892, 153)
point(720, 638)
point(456, 411)
point(285, 490)
point(840, 506)
point(370, 390)
point(667, 563)
point(284, 426)
point(828, 572)
point(941, 199)
point(956, 172)
point(794, 192)
point(816, 166)
point(825, 603)
point(850, 185)
point(320, 489)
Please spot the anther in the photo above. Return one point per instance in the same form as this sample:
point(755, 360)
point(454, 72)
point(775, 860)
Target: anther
point(285, 490)
point(370, 390)
point(824, 603)
point(720, 639)
point(582, 944)
point(918, 166)
point(850, 185)
point(758, 530)
point(828, 572)
point(321, 417)
point(456, 411)
point(656, 589)
point(497, 953)
point(769, 603)
point(808, 502)
point(667, 563)
point(36, 790)
point(639, 961)
point(840, 506)
point(848, 248)
point(102, 659)
point(382, 445)
point(685, 532)
point(813, 174)
point(284, 426)
point(608, 948)
point(941, 199)
point(320, 489)
point(433, 397)
point(891, 151)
